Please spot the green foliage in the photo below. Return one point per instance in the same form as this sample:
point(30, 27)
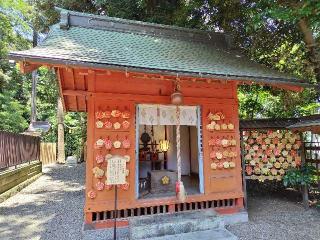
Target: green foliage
point(264, 30)
point(304, 176)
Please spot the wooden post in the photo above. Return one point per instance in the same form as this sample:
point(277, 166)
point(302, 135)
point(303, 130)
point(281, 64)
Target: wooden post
point(305, 193)
point(60, 117)
point(243, 171)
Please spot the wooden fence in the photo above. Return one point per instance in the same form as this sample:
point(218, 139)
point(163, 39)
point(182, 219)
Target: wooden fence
point(48, 153)
point(16, 149)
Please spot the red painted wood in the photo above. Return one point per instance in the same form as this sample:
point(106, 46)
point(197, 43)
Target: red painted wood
point(100, 91)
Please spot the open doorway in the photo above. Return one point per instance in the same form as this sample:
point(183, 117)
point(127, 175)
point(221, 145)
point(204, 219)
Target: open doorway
point(157, 160)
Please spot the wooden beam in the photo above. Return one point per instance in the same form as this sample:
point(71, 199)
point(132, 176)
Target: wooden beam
point(26, 67)
point(75, 93)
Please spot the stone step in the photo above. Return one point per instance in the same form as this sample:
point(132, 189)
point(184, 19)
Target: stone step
point(173, 224)
point(216, 234)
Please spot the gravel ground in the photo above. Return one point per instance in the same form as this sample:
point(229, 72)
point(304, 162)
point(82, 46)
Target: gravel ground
point(278, 217)
point(51, 208)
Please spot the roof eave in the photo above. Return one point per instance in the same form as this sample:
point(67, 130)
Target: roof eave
point(246, 79)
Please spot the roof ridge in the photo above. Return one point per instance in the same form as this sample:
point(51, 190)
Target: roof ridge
point(70, 18)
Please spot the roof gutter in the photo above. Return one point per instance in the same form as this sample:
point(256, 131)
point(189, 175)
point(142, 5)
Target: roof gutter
point(73, 63)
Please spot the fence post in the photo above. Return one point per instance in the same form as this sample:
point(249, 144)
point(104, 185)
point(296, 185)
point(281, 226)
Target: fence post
point(305, 192)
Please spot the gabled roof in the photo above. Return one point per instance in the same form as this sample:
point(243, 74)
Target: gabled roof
point(105, 42)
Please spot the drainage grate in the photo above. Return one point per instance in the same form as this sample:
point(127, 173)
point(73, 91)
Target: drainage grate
point(178, 207)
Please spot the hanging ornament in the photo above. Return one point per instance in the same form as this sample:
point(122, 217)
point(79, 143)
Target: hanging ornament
point(116, 125)
point(92, 194)
point(108, 143)
point(99, 159)
point(126, 143)
point(99, 143)
point(98, 172)
point(99, 124)
point(125, 115)
point(176, 96)
point(117, 144)
point(127, 157)
point(213, 166)
point(100, 186)
point(115, 113)
point(98, 115)
point(106, 114)
point(125, 124)
point(108, 124)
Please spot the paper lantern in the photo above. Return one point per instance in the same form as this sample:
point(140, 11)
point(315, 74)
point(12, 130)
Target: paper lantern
point(164, 145)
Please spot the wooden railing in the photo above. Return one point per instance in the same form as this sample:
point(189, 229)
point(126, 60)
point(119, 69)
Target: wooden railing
point(16, 149)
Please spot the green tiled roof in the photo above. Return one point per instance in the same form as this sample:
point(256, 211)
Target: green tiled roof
point(105, 42)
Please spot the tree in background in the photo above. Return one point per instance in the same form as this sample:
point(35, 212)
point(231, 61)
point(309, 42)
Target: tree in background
point(17, 20)
point(280, 34)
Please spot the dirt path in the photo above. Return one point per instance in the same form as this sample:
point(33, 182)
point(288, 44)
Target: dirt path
point(49, 208)
point(278, 217)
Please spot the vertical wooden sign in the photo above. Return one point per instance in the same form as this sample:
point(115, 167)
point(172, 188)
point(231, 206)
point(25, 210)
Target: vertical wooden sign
point(116, 170)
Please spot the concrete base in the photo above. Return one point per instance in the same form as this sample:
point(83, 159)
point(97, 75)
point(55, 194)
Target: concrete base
point(216, 234)
point(234, 218)
point(106, 234)
point(204, 225)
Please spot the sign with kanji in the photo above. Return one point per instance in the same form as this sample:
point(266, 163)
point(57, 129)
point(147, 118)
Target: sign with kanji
point(116, 170)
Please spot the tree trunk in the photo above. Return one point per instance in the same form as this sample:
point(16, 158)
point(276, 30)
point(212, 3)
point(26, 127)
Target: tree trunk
point(312, 46)
point(60, 118)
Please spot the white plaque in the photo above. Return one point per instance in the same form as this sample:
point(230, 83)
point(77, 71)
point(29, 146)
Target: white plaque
point(116, 170)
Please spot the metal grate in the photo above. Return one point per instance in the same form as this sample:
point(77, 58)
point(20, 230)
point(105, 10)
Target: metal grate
point(152, 210)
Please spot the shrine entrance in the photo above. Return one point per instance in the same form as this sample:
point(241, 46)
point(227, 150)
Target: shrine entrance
point(156, 149)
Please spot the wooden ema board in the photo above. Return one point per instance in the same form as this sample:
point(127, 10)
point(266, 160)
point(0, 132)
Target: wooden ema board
point(118, 90)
